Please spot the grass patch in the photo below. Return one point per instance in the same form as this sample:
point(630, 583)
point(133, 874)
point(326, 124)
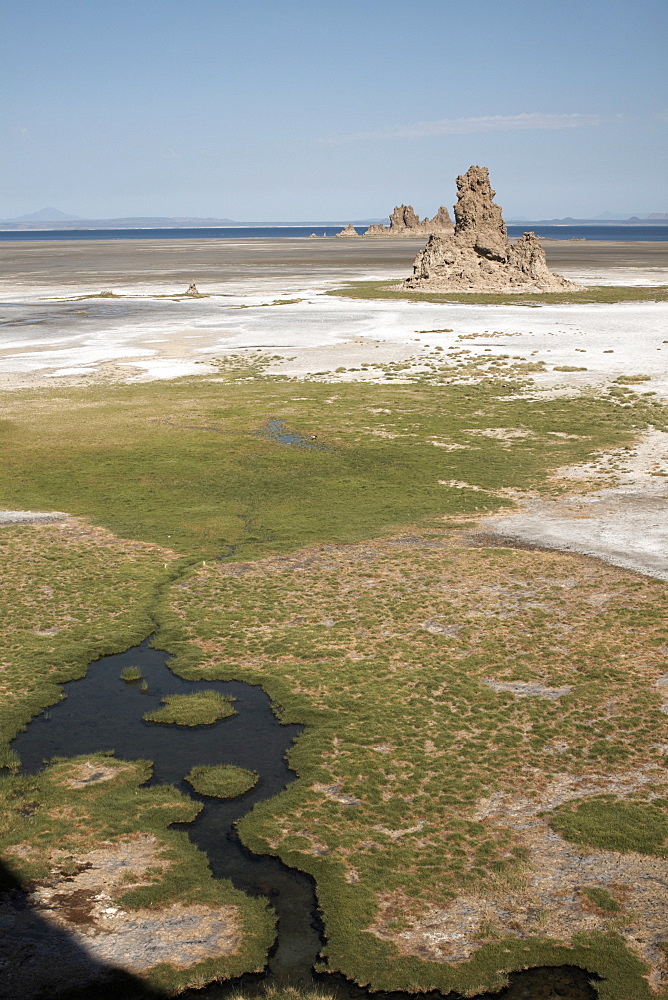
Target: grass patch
point(633, 379)
point(201, 708)
point(614, 825)
point(222, 781)
point(601, 899)
point(595, 293)
point(568, 368)
point(284, 993)
point(131, 674)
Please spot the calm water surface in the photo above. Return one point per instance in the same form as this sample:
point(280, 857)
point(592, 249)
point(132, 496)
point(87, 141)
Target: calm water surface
point(613, 233)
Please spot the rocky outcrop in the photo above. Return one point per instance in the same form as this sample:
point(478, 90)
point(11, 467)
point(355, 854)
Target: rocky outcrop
point(441, 222)
point(348, 231)
point(405, 222)
point(404, 217)
point(479, 220)
point(479, 256)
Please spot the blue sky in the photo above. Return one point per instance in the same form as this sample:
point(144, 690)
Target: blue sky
point(295, 110)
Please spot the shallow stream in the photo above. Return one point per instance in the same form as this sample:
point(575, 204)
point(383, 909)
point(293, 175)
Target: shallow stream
point(101, 713)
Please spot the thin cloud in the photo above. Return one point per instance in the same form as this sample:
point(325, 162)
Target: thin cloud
point(465, 126)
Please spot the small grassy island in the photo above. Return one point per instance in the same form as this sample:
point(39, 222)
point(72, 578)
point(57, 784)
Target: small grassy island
point(201, 708)
point(131, 674)
point(222, 781)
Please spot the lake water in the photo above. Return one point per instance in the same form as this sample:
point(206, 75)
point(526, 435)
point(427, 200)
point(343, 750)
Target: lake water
point(608, 233)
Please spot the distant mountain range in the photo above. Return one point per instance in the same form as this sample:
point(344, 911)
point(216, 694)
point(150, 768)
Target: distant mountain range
point(53, 218)
point(606, 219)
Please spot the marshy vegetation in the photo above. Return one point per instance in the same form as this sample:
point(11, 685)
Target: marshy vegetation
point(605, 822)
point(222, 781)
point(182, 464)
point(201, 708)
point(386, 650)
point(411, 765)
point(114, 836)
point(131, 674)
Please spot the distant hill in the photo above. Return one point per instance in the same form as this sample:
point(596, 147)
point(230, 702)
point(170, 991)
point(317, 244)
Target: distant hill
point(39, 220)
point(53, 219)
point(605, 219)
point(48, 219)
point(46, 215)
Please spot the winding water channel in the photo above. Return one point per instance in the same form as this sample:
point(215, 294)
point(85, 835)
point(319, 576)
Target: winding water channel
point(102, 713)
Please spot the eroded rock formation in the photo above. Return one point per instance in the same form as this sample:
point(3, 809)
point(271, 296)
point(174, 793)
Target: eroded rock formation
point(405, 222)
point(479, 256)
point(348, 231)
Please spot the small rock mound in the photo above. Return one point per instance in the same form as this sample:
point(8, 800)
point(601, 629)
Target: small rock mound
point(405, 222)
point(479, 256)
point(348, 231)
point(192, 289)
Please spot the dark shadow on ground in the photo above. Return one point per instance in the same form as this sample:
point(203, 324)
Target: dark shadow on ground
point(39, 960)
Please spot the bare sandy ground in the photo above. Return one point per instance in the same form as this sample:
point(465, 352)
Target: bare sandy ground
point(61, 267)
point(624, 520)
point(48, 334)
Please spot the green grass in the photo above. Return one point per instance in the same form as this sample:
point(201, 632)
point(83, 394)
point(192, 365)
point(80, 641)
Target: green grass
point(596, 293)
point(201, 708)
point(131, 674)
point(601, 899)
point(283, 993)
point(182, 464)
point(70, 594)
point(222, 781)
point(614, 825)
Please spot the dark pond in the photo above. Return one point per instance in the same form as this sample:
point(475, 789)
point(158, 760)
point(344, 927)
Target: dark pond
point(101, 712)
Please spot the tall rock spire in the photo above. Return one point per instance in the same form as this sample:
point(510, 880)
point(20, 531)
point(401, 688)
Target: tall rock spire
point(479, 256)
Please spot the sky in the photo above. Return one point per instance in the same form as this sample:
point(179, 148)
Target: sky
point(302, 110)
